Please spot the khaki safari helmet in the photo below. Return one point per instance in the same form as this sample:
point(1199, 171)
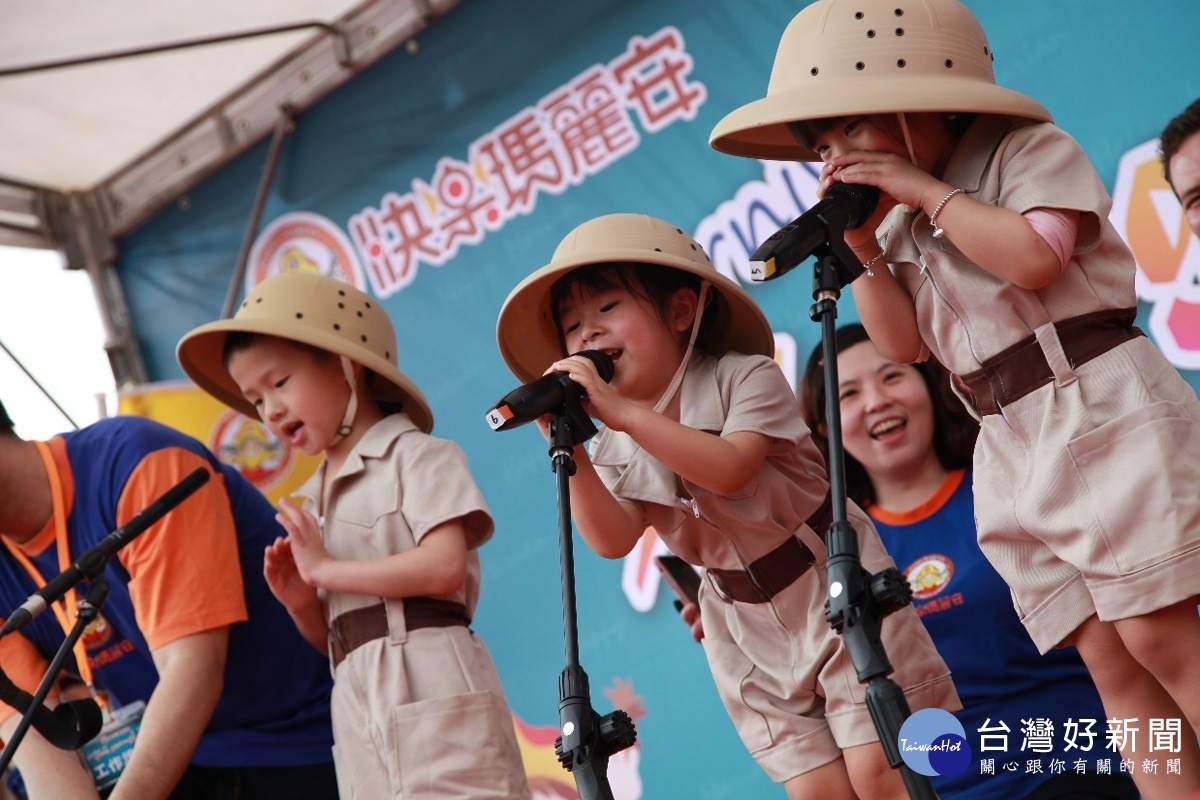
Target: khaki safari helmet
point(314, 310)
point(843, 57)
point(526, 331)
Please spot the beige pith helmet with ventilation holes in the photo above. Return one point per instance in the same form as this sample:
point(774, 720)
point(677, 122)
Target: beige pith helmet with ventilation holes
point(526, 331)
point(314, 310)
point(840, 58)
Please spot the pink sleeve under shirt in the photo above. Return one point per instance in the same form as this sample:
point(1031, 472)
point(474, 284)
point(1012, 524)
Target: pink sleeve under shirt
point(1058, 227)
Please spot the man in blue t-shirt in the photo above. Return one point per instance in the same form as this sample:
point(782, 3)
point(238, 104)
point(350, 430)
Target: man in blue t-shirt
point(234, 697)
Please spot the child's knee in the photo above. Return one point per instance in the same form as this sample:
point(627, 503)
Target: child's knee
point(872, 777)
point(1166, 639)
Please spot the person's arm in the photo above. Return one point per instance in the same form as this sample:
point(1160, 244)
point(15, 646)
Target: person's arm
point(610, 526)
point(299, 598)
point(997, 239)
point(994, 238)
point(47, 771)
point(888, 313)
point(720, 464)
point(436, 566)
point(191, 674)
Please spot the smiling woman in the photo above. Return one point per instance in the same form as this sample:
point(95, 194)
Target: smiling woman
point(908, 464)
point(50, 322)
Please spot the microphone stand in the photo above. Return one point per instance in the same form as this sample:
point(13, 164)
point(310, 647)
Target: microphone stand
point(86, 612)
point(858, 600)
point(587, 739)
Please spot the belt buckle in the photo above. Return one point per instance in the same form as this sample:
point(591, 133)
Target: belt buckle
point(718, 586)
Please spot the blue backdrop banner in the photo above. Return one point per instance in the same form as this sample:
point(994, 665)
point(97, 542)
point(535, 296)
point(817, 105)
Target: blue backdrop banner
point(448, 171)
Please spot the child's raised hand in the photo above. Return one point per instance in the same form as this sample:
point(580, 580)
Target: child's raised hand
point(304, 537)
point(279, 568)
point(603, 402)
point(898, 180)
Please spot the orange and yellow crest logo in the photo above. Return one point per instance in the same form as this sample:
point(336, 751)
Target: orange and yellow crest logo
point(929, 574)
point(303, 242)
point(249, 447)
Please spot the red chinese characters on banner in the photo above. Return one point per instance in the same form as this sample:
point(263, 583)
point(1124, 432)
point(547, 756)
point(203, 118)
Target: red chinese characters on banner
point(592, 123)
point(654, 73)
point(391, 239)
point(461, 204)
point(572, 133)
point(520, 156)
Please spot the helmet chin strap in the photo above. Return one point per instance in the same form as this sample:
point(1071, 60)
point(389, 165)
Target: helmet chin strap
point(351, 403)
point(687, 354)
point(912, 154)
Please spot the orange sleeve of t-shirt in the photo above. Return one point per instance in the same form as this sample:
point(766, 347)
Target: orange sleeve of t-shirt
point(23, 665)
point(185, 574)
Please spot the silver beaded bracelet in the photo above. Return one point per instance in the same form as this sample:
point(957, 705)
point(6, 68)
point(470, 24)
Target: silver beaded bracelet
point(938, 232)
point(870, 261)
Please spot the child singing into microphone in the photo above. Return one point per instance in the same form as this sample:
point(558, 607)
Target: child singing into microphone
point(991, 250)
point(381, 568)
point(704, 440)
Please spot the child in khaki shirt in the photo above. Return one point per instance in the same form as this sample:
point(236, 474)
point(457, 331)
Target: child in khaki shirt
point(381, 569)
point(991, 250)
point(705, 441)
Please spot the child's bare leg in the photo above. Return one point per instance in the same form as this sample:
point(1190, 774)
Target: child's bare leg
point(871, 775)
point(1167, 643)
point(829, 780)
point(1129, 691)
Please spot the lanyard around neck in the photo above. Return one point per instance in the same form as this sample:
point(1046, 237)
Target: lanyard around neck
point(69, 601)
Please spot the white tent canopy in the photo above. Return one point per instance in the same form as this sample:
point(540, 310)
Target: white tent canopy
point(92, 145)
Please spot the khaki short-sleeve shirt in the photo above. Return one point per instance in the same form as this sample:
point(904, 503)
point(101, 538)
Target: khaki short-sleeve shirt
point(723, 395)
point(967, 315)
point(397, 485)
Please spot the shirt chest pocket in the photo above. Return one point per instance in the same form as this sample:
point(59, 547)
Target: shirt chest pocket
point(361, 511)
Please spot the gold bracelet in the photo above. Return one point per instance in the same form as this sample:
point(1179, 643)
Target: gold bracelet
point(938, 232)
point(867, 264)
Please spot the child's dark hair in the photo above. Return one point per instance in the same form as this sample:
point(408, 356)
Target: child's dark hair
point(954, 430)
point(655, 283)
point(807, 131)
point(1176, 133)
point(236, 341)
point(6, 424)
point(240, 340)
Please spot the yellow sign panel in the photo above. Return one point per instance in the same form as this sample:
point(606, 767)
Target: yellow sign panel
point(270, 464)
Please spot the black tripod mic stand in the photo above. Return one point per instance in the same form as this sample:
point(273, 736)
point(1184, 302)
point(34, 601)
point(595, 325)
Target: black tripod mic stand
point(587, 739)
point(858, 600)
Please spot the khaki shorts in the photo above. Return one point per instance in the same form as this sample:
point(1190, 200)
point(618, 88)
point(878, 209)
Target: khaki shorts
point(785, 676)
point(1087, 492)
point(424, 718)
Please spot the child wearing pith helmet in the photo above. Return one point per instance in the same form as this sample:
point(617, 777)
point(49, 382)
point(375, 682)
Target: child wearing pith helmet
point(380, 567)
point(992, 251)
point(703, 439)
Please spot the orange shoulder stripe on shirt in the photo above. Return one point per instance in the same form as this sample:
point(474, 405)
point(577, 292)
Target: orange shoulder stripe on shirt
point(185, 573)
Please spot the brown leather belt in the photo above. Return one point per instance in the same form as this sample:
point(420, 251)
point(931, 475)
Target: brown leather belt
point(771, 574)
point(355, 628)
point(1018, 370)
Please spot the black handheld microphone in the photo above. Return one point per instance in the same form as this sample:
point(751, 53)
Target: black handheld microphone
point(91, 563)
point(527, 403)
point(844, 207)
